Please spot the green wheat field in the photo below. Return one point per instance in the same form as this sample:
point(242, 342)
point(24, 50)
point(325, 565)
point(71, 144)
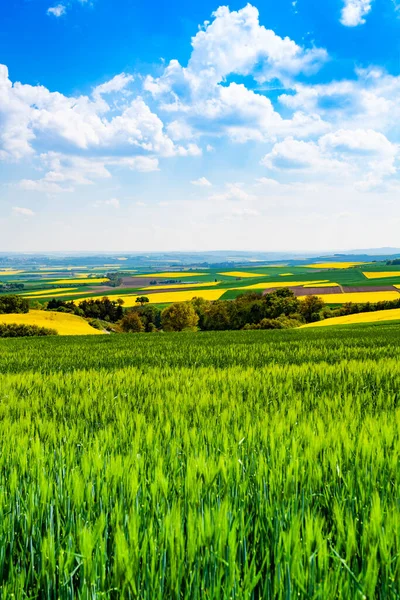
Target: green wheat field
point(238, 465)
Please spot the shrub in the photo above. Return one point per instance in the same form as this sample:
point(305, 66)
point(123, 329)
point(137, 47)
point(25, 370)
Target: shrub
point(8, 330)
point(13, 304)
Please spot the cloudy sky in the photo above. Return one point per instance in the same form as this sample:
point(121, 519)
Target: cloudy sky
point(137, 125)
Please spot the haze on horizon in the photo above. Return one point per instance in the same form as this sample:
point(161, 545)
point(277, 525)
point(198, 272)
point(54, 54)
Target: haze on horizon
point(173, 126)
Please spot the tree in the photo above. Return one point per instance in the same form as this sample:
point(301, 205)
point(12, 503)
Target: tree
point(180, 316)
point(13, 304)
point(142, 300)
point(217, 317)
point(132, 323)
point(310, 308)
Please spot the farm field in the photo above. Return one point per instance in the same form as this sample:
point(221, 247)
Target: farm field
point(381, 274)
point(361, 297)
point(366, 317)
point(63, 323)
point(216, 465)
point(354, 281)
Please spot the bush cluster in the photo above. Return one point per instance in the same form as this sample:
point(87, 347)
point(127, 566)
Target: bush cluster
point(13, 305)
point(276, 310)
point(12, 330)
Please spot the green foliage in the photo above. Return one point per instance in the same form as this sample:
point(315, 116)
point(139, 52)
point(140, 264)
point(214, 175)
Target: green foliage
point(11, 287)
point(310, 308)
point(250, 464)
point(12, 330)
point(13, 305)
point(103, 309)
point(142, 300)
point(132, 323)
point(180, 316)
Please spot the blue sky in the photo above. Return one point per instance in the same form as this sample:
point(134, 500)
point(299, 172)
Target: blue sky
point(137, 125)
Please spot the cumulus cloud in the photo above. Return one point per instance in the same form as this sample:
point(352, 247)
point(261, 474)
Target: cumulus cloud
point(32, 115)
point(233, 191)
point(234, 43)
point(364, 154)
point(116, 84)
point(22, 212)
point(294, 154)
point(202, 182)
point(354, 11)
point(57, 11)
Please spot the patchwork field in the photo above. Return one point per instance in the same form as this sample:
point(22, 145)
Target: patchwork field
point(342, 281)
point(228, 465)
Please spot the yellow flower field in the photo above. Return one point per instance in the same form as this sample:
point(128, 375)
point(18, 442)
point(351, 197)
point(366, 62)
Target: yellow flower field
point(280, 284)
point(334, 265)
point(380, 274)
point(358, 297)
point(45, 293)
point(172, 275)
point(285, 274)
point(166, 297)
point(368, 317)
point(63, 323)
point(84, 280)
point(9, 273)
point(181, 286)
point(243, 274)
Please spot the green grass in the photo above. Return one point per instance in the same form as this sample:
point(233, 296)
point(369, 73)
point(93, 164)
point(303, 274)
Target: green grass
point(220, 465)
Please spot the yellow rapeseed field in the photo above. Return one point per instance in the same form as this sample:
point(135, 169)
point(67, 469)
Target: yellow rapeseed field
point(334, 265)
point(380, 274)
point(8, 273)
point(285, 274)
point(358, 297)
point(368, 317)
point(279, 284)
point(166, 297)
point(45, 293)
point(243, 274)
point(84, 280)
point(63, 323)
point(181, 286)
point(171, 275)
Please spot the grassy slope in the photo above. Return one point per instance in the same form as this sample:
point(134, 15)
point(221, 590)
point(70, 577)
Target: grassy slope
point(64, 324)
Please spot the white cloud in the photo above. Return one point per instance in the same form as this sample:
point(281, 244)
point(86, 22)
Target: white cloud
point(363, 158)
point(116, 84)
point(233, 191)
point(354, 11)
point(57, 11)
point(63, 172)
point(234, 43)
point(43, 186)
point(202, 182)
point(23, 212)
point(298, 155)
point(32, 115)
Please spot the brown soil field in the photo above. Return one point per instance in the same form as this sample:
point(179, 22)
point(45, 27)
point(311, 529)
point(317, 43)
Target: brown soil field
point(368, 288)
point(314, 291)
